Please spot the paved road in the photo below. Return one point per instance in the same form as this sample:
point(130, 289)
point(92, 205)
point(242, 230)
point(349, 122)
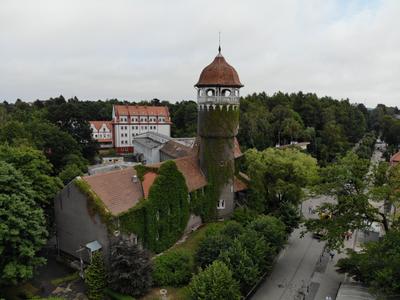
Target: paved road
point(303, 270)
point(299, 266)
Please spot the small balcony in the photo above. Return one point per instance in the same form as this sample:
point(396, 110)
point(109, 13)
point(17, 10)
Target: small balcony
point(218, 100)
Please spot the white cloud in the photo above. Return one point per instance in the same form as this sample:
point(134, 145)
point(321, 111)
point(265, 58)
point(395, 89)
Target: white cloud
point(131, 49)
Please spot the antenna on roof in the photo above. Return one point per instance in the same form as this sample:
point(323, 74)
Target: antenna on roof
point(219, 42)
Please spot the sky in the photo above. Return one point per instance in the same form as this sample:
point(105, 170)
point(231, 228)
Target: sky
point(137, 50)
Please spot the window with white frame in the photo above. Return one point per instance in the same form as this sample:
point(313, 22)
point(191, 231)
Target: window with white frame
point(221, 204)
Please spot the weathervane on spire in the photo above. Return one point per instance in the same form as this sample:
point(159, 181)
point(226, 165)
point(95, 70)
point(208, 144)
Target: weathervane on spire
point(219, 42)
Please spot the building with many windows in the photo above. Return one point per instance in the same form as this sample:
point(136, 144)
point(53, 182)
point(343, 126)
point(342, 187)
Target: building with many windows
point(128, 121)
point(102, 133)
point(95, 210)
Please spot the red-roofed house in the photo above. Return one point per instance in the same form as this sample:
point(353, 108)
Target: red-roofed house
point(102, 133)
point(395, 159)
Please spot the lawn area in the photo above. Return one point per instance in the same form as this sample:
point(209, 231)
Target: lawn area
point(194, 238)
point(190, 244)
point(64, 279)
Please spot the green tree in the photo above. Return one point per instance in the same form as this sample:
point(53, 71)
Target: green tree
point(214, 283)
point(210, 248)
point(261, 252)
point(242, 265)
point(96, 277)
point(255, 130)
point(377, 265)
point(69, 173)
point(271, 229)
point(278, 177)
point(130, 269)
point(345, 180)
point(34, 167)
point(22, 228)
point(173, 268)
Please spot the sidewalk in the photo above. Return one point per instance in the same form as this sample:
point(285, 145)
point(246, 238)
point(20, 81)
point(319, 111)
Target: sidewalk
point(325, 281)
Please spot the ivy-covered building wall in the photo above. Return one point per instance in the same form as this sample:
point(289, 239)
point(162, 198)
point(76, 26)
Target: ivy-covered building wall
point(160, 220)
point(218, 126)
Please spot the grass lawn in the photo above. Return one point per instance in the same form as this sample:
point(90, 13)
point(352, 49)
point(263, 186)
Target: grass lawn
point(64, 279)
point(190, 245)
point(194, 238)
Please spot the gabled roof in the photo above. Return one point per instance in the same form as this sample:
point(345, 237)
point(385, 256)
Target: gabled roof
point(141, 110)
point(148, 180)
point(190, 169)
point(174, 149)
point(99, 124)
point(116, 189)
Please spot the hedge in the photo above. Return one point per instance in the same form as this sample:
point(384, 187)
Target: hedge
point(173, 268)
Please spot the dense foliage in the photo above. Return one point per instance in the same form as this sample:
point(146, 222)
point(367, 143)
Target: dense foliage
point(354, 209)
point(215, 282)
point(159, 221)
point(278, 177)
point(330, 125)
point(34, 166)
point(22, 227)
point(173, 268)
point(366, 146)
point(248, 250)
point(130, 269)
point(377, 265)
point(96, 277)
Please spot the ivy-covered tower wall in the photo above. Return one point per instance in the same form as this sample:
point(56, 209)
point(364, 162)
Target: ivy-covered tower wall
point(218, 123)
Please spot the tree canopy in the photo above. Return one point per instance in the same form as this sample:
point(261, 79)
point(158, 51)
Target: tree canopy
point(22, 227)
point(278, 177)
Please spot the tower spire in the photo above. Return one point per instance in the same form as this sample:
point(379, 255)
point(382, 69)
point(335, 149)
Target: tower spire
point(219, 42)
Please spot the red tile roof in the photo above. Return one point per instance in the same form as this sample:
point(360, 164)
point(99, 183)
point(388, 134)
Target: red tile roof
point(239, 185)
point(395, 158)
point(140, 110)
point(116, 189)
point(236, 150)
point(148, 181)
point(190, 169)
point(98, 124)
point(219, 73)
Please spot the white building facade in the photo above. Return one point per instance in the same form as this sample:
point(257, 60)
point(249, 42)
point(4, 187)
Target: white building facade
point(129, 121)
point(132, 120)
point(102, 132)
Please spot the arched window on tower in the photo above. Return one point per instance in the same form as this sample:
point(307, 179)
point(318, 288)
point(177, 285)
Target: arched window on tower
point(226, 92)
point(210, 92)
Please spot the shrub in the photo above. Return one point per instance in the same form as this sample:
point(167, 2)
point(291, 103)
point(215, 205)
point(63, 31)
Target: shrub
point(232, 229)
point(69, 173)
point(244, 215)
point(210, 248)
point(215, 282)
point(173, 268)
point(96, 277)
point(272, 229)
point(243, 268)
point(130, 269)
point(261, 252)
